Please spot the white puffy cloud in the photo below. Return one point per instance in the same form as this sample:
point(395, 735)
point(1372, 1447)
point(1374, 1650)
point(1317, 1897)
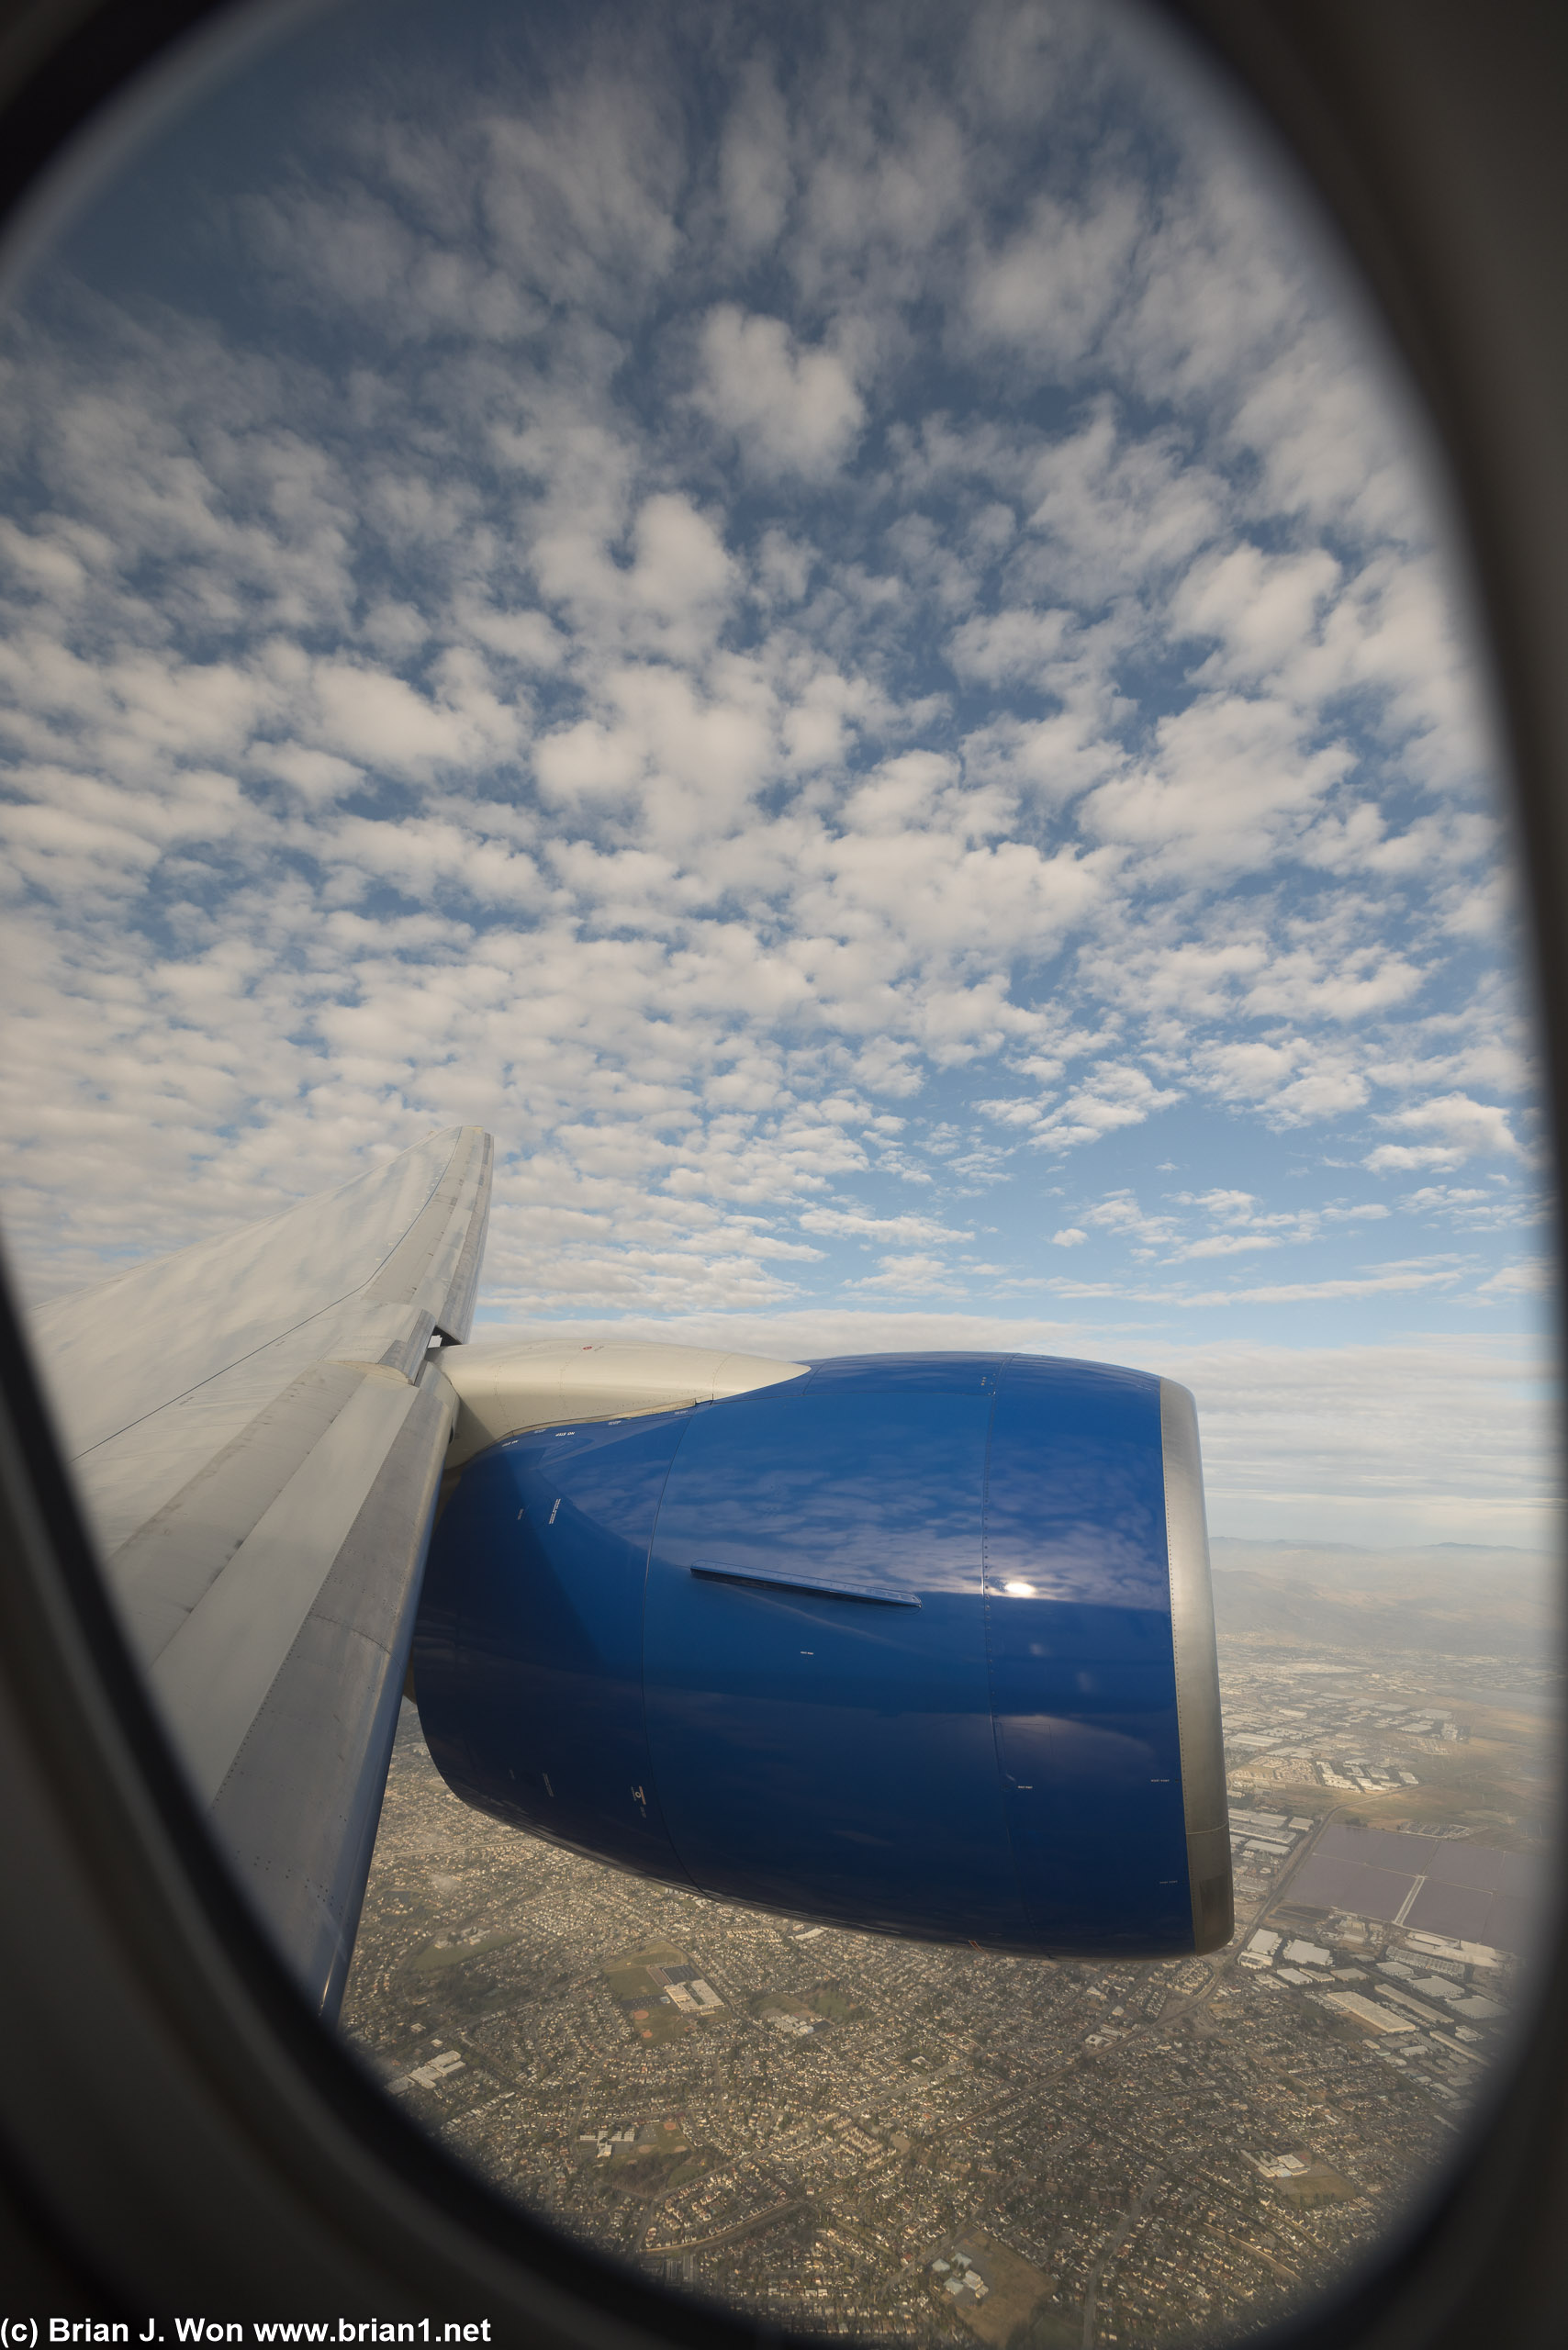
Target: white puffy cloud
point(1526, 1277)
point(1052, 285)
point(854, 1223)
point(914, 1275)
point(1230, 1244)
point(1466, 1129)
point(793, 410)
point(1229, 781)
point(1261, 609)
point(1116, 1095)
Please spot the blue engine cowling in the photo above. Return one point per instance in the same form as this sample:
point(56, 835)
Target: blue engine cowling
point(922, 1644)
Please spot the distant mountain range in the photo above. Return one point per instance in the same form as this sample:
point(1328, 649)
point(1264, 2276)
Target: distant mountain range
point(1454, 1598)
point(1285, 1551)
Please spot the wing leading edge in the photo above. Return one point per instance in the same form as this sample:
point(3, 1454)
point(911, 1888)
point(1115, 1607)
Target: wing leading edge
point(259, 1426)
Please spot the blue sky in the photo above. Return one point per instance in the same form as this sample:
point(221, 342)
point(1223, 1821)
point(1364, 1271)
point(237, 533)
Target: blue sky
point(828, 620)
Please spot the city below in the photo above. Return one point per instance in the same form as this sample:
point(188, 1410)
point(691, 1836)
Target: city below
point(849, 2136)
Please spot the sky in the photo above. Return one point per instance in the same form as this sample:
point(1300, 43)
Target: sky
point(832, 622)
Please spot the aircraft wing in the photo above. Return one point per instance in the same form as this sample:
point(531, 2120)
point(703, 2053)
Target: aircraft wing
point(258, 1426)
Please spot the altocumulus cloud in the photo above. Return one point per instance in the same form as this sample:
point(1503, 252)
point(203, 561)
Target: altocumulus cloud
point(819, 619)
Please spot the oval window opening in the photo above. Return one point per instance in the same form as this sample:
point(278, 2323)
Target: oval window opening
point(837, 630)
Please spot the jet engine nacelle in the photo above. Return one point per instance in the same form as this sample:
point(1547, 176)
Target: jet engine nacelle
point(922, 1644)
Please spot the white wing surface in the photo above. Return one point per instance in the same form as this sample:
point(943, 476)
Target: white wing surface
point(258, 1429)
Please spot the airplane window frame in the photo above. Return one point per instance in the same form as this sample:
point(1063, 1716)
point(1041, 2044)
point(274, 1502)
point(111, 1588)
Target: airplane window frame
point(177, 2133)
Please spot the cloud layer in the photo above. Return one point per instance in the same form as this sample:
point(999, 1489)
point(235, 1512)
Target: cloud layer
point(820, 620)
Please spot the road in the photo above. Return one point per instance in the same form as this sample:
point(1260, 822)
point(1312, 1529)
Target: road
point(1221, 1965)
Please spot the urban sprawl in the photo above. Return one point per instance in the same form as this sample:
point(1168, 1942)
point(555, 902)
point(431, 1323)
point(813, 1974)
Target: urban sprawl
point(849, 2136)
